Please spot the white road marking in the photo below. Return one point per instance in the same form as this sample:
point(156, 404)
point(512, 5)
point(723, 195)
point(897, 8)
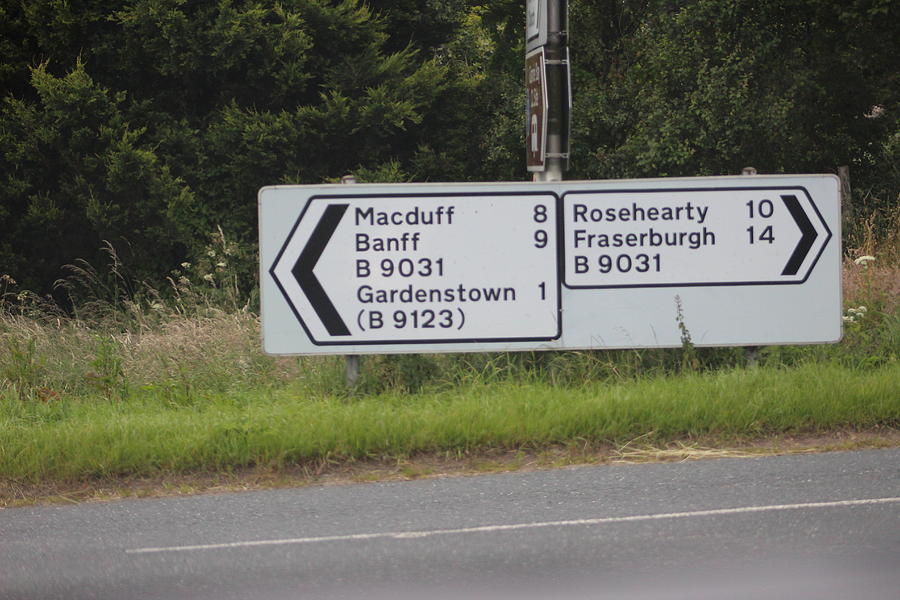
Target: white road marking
point(406, 535)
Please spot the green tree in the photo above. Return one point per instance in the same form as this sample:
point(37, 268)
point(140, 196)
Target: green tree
point(155, 121)
point(74, 173)
point(149, 123)
point(709, 86)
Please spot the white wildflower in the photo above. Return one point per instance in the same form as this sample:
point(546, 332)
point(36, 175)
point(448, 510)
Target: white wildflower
point(221, 265)
point(185, 265)
point(876, 112)
point(209, 277)
point(854, 314)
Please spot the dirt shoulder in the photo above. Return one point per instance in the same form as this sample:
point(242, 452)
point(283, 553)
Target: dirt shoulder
point(15, 494)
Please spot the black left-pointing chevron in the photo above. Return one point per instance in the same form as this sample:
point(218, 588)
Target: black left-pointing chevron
point(807, 238)
point(303, 270)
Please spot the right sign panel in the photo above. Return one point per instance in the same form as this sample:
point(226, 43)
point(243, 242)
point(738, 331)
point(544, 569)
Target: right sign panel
point(736, 261)
point(669, 237)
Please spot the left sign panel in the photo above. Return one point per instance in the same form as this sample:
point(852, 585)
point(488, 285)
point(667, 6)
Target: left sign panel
point(415, 271)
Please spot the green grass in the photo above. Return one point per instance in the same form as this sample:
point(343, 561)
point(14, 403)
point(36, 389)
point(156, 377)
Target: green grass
point(155, 384)
point(148, 435)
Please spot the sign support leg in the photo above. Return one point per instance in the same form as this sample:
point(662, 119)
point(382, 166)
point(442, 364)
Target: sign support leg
point(751, 356)
point(351, 370)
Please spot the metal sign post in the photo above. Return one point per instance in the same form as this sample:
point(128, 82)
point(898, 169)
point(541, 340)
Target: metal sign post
point(548, 85)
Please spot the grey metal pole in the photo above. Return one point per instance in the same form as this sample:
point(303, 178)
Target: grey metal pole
point(558, 92)
point(352, 361)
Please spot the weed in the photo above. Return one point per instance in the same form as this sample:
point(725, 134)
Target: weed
point(107, 374)
point(689, 360)
point(212, 282)
point(98, 296)
point(407, 373)
point(21, 370)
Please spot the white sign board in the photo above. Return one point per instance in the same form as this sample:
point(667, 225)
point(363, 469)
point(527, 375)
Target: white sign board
point(391, 268)
point(550, 265)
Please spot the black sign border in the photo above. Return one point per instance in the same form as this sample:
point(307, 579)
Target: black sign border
point(557, 200)
point(695, 189)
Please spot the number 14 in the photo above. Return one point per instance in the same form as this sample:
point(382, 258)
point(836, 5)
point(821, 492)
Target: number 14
point(766, 235)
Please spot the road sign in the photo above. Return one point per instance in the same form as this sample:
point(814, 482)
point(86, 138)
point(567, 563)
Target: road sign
point(552, 265)
point(537, 110)
point(422, 268)
point(689, 237)
point(535, 24)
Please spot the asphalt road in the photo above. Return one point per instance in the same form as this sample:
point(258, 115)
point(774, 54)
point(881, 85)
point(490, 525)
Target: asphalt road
point(817, 526)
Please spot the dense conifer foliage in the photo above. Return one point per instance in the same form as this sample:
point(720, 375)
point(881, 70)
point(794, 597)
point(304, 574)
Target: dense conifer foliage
point(151, 123)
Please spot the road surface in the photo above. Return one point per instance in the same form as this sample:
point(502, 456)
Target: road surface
point(817, 526)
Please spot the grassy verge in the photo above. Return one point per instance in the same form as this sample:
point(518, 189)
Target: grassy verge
point(155, 386)
point(96, 437)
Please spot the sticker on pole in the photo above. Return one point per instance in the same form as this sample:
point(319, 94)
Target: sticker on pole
point(536, 113)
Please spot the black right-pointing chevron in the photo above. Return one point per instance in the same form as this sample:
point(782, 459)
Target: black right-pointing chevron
point(807, 238)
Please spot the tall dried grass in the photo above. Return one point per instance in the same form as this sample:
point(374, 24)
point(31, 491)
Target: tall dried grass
point(200, 336)
point(119, 339)
point(148, 382)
